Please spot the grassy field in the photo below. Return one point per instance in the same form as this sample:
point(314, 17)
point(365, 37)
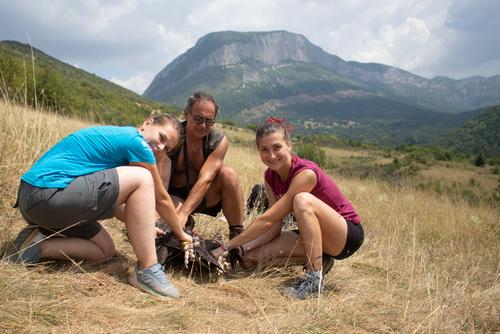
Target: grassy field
point(429, 264)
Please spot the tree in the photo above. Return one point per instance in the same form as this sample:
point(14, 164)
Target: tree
point(480, 161)
point(311, 152)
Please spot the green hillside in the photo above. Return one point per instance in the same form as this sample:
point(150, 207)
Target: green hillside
point(373, 119)
point(480, 134)
point(67, 89)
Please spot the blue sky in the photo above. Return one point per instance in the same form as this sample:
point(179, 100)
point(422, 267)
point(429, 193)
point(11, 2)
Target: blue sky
point(130, 41)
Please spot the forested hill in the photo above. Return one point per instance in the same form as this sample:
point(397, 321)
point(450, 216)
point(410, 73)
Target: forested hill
point(480, 134)
point(67, 89)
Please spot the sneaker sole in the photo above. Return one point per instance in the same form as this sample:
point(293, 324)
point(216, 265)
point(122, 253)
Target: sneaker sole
point(132, 280)
point(15, 251)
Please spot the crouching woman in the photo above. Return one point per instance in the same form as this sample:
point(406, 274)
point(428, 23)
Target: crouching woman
point(328, 226)
point(87, 177)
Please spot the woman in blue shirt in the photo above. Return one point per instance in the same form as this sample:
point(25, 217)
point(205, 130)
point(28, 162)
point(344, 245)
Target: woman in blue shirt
point(89, 176)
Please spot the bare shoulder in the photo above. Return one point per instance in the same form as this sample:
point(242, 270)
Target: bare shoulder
point(305, 180)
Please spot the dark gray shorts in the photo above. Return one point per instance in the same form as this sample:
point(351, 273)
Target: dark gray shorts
point(72, 211)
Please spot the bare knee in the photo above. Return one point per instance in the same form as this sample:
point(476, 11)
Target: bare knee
point(303, 203)
point(144, 178)
point(228, 176)
point(108, 251)
point(105, 244)
point(132, 178)
point(249, 261)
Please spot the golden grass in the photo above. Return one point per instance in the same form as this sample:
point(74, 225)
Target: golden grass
point(428, 265)
point(480, 177)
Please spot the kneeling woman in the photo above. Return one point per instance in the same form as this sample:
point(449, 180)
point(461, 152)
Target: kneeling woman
point(328, 226)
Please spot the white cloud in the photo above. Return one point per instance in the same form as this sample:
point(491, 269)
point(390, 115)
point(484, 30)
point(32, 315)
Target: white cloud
point(404, 45)
point(228, 14)
point(126, 38)
point(137, 83)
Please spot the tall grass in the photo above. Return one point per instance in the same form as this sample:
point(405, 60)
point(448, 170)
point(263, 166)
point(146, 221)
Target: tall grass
point(26, 134)
point(428, 264)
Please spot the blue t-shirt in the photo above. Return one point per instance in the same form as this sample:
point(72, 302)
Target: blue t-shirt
point(87, 151)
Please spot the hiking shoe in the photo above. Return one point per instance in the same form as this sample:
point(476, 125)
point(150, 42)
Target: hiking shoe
point(234, 230)
point(27, 247)
point(153, 281)
point(328, 262)
point(310, 285)
point(257, 200)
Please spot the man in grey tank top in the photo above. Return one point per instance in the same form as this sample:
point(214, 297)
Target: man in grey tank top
point(195, 174)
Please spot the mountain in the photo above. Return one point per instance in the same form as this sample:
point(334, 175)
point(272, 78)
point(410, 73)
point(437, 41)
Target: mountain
point(67, 89)
point(255, 74)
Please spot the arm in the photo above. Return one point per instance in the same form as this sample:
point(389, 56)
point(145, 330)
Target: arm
point(270, 195)
point(164, 165)
point(208, 172)
point(164, 205)
point(302, 182)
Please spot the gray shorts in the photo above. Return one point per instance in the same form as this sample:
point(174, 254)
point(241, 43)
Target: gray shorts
point(72, 211)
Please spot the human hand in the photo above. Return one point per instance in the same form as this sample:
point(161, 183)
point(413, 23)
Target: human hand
point(159, 232)
point(183, 218)
point(221, 254)
point(188, 245)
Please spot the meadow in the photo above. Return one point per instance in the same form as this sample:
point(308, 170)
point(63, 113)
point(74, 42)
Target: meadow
point(429, 264)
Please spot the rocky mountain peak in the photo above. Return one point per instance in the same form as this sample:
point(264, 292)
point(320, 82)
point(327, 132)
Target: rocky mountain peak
point(270, 48)
point(228, 48)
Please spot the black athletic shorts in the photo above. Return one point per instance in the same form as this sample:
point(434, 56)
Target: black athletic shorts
point(183, 192)
point(72, 211)
point(355, 237)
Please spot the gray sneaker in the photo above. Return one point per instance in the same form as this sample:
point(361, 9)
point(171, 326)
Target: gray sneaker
point(26, 248)
point(153, 281)
point(310, 285)
point(328, 262)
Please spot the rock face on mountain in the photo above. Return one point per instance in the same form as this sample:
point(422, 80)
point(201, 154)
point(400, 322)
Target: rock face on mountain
point(253, 74)
point(226, 49)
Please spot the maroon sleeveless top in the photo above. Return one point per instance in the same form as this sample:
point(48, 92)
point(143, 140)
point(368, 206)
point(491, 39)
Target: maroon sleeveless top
point(325, 189)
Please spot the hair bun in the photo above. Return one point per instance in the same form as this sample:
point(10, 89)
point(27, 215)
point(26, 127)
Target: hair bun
point(279, 120)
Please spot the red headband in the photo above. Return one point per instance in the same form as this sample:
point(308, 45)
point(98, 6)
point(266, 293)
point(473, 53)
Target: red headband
point(282, 121)
point(279, 120)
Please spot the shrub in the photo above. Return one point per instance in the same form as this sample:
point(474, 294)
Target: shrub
point(252, 127)
point(312, 152)
point(480, 161)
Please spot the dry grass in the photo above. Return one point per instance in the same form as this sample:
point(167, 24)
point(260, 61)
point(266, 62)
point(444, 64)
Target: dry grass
point(481, 178)
point(427, 265)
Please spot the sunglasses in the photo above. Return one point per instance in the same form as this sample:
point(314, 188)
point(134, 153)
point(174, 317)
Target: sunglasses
point(200, 120)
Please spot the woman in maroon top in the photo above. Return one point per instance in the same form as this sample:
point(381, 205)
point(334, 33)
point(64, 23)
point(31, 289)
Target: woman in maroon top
point(328, 226)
